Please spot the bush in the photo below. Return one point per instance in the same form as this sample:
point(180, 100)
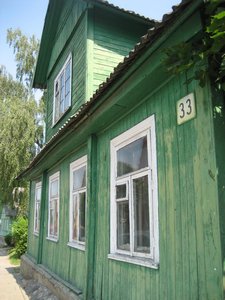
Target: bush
point(9, 239)
point(19, 236)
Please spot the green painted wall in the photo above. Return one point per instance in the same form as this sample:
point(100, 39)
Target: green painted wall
point(98, 41)
point(66, 262)
point(78, 51)
point(191, 197)
point(113, 39)
point(190, 261)
point(219, 126)
point(68, 23)
point(33, 240)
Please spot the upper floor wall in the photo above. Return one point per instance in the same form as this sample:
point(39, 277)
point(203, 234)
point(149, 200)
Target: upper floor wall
point(95, 40)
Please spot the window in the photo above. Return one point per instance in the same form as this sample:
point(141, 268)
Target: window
point(53, 207)
point(78, 202)
point(134, 199)
point(37, 205)
point(62, 90)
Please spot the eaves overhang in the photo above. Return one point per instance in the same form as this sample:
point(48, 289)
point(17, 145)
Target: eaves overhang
point(186, 7)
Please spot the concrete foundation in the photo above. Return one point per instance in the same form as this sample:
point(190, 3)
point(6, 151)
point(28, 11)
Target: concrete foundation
point(62, 290)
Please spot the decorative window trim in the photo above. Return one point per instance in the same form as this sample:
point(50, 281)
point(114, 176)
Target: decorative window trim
point(79, 163)
point(55, 176)
point(144, 128)
point(54, 119)
point(38, 185)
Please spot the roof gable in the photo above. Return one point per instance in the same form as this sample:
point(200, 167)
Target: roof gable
point(56, 17)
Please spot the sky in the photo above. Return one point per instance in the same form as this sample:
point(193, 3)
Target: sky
point(29, 15)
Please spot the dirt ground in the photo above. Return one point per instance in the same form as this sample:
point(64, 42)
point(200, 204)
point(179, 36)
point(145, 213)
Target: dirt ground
point(14, 287)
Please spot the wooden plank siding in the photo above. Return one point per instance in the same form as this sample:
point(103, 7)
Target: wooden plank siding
point(219, 128)
point(189, 157)
point(33, 240)
point(188, 218)
point(113, 39)
point(78, 51)
point(97, 45)
point(66, 262)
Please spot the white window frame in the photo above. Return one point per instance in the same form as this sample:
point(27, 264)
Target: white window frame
point(57, 80)
point(54, 177)
point(76, 165)
point(37, 207)
point(144, 128)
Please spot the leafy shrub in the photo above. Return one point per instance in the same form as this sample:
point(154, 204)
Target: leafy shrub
point(19, 236)
point(9, 239)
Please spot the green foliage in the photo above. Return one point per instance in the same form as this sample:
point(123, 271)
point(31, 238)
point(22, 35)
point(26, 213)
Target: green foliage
point(14, 260)
point(9, 240)
point(19, 235)
point(207, 53)
point(17, 133)
point(26, 51)
point(21, 126)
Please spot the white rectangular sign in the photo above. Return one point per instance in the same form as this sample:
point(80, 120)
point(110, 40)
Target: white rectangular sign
point(186, 109)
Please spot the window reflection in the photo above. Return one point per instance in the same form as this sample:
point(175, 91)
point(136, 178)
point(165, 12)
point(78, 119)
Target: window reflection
point(132, 157)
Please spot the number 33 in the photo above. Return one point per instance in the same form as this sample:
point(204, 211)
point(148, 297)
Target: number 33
point(185, 108)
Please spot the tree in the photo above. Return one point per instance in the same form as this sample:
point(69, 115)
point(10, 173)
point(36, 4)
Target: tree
point(20, 127)
point(205, 54)
point(26, 51)
point(17, 132)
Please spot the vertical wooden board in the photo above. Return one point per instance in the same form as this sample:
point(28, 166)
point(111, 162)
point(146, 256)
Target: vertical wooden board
point(77, 46)
point(210, 211)
point(72, 268)
point(69, 19)
point(182, 275)
point(219, 129)
point(77, 274)
point(151, 277)
point(112, 41)
point(170, 150)
point(206, 190)
point(61, 265)
point(32, 238)
point(190, 139)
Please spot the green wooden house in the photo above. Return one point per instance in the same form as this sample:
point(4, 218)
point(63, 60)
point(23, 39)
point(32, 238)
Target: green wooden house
point(127, 197)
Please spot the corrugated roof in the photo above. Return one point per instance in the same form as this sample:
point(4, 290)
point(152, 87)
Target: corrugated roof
point(130, 12)
point(145, 42)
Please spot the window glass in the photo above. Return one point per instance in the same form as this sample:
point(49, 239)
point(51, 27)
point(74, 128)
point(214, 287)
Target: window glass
point(37, 208)
point(68, 71)
point(79, 178)
point(78, 202)
point(141, 215)
point(54, 188)
point(123, 226)
point(62, 98)
point(121, 191)
point(38, 194)
point(82, 217)
point(132, 157)
point(53, 214)
point(75, 217)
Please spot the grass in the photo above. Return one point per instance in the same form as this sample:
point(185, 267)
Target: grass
point(14, 260)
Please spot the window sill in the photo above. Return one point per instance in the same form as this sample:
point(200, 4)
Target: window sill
point(55, 240)
point(145, 262)
point(76, 246)
point(36, 234)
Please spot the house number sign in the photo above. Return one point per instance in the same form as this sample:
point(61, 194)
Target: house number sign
point(186, 109)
